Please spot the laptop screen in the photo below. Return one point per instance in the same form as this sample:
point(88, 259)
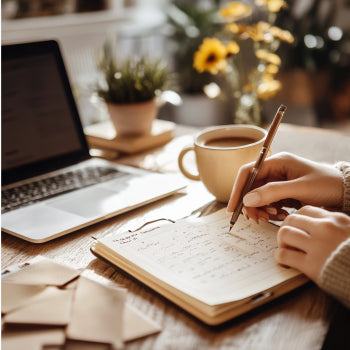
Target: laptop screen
point(41, 130)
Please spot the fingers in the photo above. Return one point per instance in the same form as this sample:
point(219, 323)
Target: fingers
point(298, 221)
point(305, 219)
point(293, 249)
point(292, 258)
point(264, 214)
point(302, 242)
point(255, 214)
point(312, 211)
point(295, 231)
point(281, 181)
point(276, 213)
point(272, 168)
point(242, 177)
point(270, 193)
point(292, 237)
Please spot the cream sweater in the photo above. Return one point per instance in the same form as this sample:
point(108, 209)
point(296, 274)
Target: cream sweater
point(335, 275)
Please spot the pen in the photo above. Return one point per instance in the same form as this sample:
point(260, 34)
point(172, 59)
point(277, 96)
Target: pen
point(262, 155)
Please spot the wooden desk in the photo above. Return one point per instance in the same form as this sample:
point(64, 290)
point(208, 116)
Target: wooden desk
point(298, 320)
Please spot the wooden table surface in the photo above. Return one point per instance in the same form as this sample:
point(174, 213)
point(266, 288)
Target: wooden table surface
point(298, 320)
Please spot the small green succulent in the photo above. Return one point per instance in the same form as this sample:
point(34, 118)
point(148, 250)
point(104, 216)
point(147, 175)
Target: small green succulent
point(132, 80)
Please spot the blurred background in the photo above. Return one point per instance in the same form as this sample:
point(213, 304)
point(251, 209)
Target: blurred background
point(315, 68)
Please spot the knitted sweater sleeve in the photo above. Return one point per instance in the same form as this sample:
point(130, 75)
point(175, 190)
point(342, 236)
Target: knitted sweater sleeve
point(344, 168)
point(335, 275)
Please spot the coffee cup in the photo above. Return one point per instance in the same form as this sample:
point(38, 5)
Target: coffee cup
point(219, 152)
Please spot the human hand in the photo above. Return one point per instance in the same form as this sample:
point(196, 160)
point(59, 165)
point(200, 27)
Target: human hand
point(308, 237)
point(286, 180)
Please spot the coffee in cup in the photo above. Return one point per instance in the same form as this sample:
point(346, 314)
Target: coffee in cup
point(220, 151)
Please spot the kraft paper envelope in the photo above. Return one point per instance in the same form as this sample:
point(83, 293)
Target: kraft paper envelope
point(14, 296)
point(42, 304)
point(31, 339)
point(97, 313)
point(137, 325)
point(51, 308)
point(44, 308)
point(43, 271)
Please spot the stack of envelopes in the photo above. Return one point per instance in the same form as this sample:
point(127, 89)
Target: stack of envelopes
point(46, 304)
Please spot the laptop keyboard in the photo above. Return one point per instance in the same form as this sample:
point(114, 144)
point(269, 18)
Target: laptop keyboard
point(16, 197)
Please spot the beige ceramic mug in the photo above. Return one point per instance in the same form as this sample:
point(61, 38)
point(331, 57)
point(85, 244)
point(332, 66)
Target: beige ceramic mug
point(220, 151)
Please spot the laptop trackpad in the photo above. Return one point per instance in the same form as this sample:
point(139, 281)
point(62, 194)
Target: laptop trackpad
point(91, 203)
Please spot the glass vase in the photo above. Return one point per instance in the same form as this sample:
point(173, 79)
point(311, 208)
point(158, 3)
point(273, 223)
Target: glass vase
point(246, 109)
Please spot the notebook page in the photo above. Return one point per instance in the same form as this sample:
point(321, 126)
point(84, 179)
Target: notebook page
point(200, 258)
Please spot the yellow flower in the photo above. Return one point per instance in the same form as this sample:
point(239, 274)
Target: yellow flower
point(268, 57)
point(232, 49)
point(236, 28)
point(260, 32)
point(239, 29)
point(235, 10)
point(269, 88)
point(272, 5)
point(210, 56)
point(281, 34)
point(213, 56)
point(267, 77)
point(271, 69)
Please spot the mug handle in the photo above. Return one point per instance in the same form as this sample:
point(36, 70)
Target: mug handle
point(181, 166)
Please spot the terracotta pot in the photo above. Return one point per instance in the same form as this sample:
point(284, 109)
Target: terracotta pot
point(134, 118)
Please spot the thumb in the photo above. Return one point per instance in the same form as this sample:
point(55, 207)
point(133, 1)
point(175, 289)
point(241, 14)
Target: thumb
point(269, 193)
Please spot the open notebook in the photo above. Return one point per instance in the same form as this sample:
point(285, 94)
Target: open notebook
point(197, 265)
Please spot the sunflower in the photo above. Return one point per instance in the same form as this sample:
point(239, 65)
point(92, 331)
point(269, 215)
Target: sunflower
point(271, 5)
point(235, 10)
point(268, 57)
point(210, 56)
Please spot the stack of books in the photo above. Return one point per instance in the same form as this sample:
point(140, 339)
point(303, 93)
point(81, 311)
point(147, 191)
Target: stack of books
point(103, 136)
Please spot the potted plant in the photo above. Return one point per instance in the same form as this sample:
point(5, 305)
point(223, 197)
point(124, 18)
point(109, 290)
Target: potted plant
point(130, 89)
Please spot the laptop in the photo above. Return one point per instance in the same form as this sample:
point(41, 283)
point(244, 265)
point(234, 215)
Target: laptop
point(51, 186)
